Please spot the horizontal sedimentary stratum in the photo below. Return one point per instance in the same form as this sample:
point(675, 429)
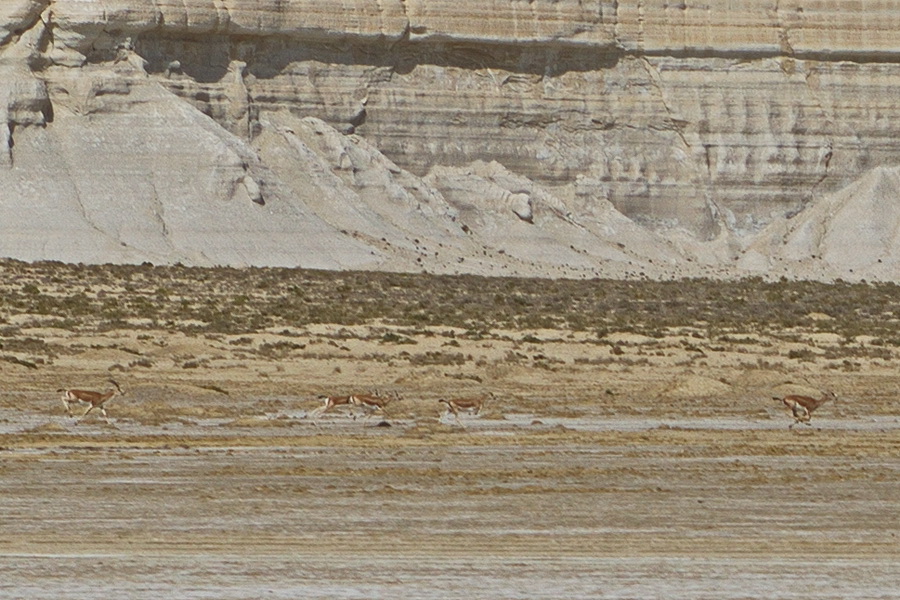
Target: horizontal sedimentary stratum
point(559, 139)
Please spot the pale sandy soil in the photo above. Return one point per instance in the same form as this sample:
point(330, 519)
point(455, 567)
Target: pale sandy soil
point(641, 467)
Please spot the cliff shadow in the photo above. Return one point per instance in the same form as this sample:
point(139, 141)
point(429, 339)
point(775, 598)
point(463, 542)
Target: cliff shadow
point(205, 59)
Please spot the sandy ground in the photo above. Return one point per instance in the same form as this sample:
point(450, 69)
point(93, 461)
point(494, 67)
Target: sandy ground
point(641, 468)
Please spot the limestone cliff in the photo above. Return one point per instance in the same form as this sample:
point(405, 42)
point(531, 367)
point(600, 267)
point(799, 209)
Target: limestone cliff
point(550, 137)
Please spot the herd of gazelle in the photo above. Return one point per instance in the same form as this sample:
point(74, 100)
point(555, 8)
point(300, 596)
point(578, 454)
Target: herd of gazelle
point(801, 407)
point(372, 403)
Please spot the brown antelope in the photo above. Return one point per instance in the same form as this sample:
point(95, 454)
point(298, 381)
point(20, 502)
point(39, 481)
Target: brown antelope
point(372, 403)
point(92, 399)
point(329, 402)
point(802, 407)
point(456, 405)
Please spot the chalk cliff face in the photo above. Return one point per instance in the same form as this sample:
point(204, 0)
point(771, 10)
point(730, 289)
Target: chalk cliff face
point(560, 138)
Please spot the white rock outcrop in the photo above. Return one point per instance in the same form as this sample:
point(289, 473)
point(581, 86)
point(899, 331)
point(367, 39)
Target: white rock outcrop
point(557, 138)
point(852, 234)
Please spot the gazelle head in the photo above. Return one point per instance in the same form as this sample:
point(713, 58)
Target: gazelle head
point(118, 389)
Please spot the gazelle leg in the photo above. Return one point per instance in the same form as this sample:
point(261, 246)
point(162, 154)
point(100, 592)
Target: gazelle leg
point(318, 411)
point(90, 408)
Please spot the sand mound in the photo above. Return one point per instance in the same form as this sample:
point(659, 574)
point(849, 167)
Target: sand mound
point(697, 386)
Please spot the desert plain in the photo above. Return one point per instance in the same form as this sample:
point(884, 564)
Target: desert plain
point(629, 446)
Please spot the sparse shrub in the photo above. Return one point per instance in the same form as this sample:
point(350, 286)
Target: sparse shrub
point(439, 358)
point(394, 338)
point(805, 355)
point(279, 349)
point(241, 301)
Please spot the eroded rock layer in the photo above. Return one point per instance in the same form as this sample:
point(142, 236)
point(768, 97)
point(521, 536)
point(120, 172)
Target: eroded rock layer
point(552, 138)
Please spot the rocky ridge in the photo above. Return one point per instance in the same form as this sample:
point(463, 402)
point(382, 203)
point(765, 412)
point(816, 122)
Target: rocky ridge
point(560, 138)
